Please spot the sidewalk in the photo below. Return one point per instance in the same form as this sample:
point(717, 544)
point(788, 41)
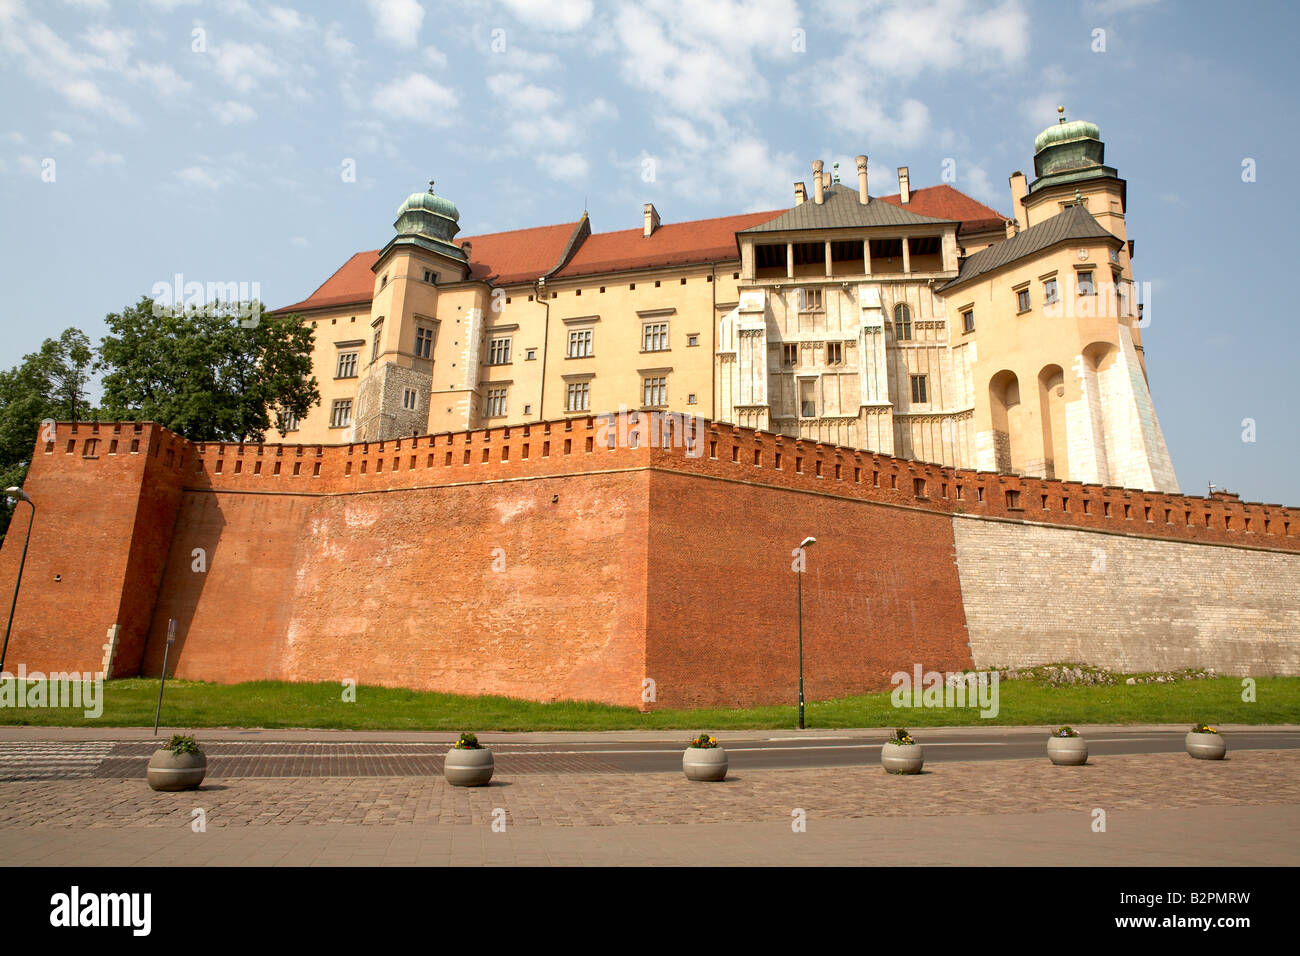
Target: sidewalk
point(1231, 836)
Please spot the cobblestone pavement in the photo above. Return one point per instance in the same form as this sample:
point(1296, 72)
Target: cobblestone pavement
point(1135, 782)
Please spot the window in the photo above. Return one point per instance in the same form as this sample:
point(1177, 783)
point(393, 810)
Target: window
point(789, 355)
point(690, 399)
point(1022, 300)
point(1085, 283)
point(423, 342)
point(287, 422)
point(655, 337)
point(530, 355)
point(834, 353)
point(374, 349)
point(580, 343)
point(810, 300)
point(918, 389)
point(499, 351)
point(408, 399)
point(341, 413)
point(902, 322)
point(383, 282)
point(693, 340)
point(654, 392)
point(1050, 292)
point(577, 397)
point(347, 367)
point(807, 400)
point(430, 277)
point(496, 402)
point(968, 320)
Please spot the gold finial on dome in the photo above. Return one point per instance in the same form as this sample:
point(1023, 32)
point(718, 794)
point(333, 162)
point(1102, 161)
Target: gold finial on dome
point(1061, 111)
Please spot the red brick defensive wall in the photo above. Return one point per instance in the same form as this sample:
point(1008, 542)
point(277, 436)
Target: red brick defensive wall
point(535, 561)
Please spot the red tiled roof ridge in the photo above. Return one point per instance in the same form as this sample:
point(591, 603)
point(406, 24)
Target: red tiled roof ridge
point(674, 243)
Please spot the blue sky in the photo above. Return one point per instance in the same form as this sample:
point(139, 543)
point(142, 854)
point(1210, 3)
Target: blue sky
point(143, 139)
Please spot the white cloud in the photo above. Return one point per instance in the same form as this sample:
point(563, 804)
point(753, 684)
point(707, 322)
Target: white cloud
point(337, 45)
point(300, 241)
point(201, 177)
point(397, 21)
point(702, 59)
point(89, 6)
point(520, 95)
point(566, 166)
point(101, 157)
point(231, 112)
point(60, 137)
point(435, 56)
point(417, 98)
point(561, 16)
point(113, 45)
point(165, 81)
point(244, 65)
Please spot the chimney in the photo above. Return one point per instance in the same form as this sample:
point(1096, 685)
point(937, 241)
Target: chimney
point(651, 219)
point(1011, 228)
point(904, 194)
point(826, 181)
point(468, 249)
point(800, 194)
point(819, 181)
point(862, 181)
point(1019, 190)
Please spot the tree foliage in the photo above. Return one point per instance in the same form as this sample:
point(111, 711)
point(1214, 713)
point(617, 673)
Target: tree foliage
point(51, 383)
point(205, 373)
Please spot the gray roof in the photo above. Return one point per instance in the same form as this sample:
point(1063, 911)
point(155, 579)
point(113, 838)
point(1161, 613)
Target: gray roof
point(841, 209)
point(1074, 223)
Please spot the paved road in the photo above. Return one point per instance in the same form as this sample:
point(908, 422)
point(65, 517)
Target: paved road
point(53, 759)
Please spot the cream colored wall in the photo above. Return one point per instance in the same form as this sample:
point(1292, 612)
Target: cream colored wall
point(329, 327)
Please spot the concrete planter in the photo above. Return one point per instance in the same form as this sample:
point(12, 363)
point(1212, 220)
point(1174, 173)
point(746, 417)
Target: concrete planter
point(704, 763)
point(468, 768)
point(1206, 746)
point(902, 758)
point(173, 771)
point(1067, 751)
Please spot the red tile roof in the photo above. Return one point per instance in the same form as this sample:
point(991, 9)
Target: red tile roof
point(503, 257)
point(701, 240)
point(507, 258)
point(944, 202)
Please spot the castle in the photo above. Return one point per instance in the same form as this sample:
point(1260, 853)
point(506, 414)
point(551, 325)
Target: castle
point(952, 403)
point(923, 324)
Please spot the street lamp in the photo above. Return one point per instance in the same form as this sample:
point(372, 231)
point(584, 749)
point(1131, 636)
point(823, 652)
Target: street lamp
point(21, 496)
point(803, 546)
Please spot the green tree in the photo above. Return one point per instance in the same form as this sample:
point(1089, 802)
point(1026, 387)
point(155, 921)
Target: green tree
point(209, 374)
point(50, 383)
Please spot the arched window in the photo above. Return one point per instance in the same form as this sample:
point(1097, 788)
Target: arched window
point(902, 322)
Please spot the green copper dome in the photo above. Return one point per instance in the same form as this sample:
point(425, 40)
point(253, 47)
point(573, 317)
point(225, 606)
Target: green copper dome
point(425, 217)
point(1065, 133)
point(430, 203)
point(1068, 147)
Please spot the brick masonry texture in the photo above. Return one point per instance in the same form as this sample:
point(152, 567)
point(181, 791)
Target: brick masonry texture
point(537, 562)
point(1125, 603)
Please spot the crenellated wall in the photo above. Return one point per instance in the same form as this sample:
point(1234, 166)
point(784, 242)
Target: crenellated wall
point(539, 562)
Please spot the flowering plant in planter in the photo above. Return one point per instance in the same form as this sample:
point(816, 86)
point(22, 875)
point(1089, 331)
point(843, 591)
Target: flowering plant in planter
point(1203, 729)
point(901, 737)
point(704, 742)
point(1066, 731)
point(468, 742)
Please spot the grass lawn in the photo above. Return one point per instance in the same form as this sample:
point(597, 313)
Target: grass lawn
point(130, 703)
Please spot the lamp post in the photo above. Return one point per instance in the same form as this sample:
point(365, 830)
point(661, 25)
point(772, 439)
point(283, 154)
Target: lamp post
point(21, 496)
point(803, 546)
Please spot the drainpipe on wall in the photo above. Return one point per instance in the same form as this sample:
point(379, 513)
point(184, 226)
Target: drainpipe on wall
point(540, 287)
point(713, 342)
